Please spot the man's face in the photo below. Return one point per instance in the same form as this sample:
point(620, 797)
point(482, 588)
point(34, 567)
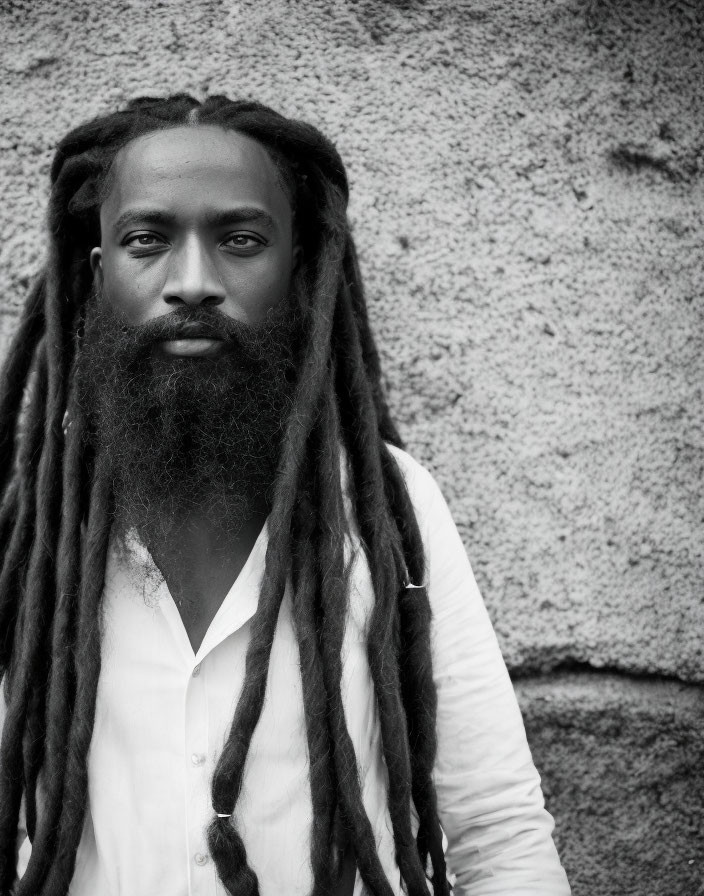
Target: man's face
point(195, 216)
point(187, 362)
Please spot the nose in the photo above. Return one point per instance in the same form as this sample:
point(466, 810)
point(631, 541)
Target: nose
point(192, 277)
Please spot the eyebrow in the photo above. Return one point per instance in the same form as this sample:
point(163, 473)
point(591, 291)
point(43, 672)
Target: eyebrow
point(239, 215)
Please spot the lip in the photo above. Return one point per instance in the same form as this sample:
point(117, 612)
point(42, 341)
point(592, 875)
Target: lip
point(192, 347)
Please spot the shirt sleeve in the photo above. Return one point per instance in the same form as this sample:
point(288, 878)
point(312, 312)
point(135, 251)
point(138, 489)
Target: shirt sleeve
point(490, 802)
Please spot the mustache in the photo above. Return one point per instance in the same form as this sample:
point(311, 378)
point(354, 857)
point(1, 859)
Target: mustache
point(192, 323)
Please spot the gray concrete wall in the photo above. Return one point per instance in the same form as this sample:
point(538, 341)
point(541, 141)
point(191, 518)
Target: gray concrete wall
point(528, 186)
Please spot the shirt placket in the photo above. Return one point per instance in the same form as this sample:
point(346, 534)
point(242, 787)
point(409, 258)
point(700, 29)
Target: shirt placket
point(197, 771)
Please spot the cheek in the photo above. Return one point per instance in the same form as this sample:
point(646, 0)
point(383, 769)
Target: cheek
point(256, 287)
point(135, 294)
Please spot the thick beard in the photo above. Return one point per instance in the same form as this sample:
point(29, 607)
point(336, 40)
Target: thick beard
point(187, 434)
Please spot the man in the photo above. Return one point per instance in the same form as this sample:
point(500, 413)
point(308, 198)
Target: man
point(242, 645)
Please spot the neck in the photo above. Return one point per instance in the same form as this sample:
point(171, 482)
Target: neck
point(200, 557)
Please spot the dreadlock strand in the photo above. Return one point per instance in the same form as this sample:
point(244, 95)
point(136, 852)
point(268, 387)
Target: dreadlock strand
point(20, 753)
point(18, 538)
point(32, 749)
point(15, 373)
point(381, 540)
point(13, 610)
point(226, 845)
point(18, 502)
point(8, 516)
point(382, 652)
point(334, 593)
point(322, 778)
point(370, 354)
point(34, 736)
point(26, 709)
point(87, 671)
point(61, 680)
point(418, 687)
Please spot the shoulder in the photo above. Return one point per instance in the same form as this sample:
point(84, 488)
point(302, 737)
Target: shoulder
point(431, 510)
point(448, 569)
point(422, 487)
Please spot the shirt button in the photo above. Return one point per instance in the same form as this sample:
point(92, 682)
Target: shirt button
point(196, 671)
point(200, 858)
point(197, 758)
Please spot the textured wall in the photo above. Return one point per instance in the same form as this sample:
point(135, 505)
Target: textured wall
point(528, 186)
point(617, 757)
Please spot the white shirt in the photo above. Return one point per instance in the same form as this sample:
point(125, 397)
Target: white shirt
point(163, 713)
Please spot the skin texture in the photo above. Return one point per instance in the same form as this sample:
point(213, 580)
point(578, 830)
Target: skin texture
point(196, 216)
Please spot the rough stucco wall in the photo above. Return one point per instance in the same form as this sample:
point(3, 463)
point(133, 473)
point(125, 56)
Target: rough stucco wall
point(616, 757)
point(527, 184)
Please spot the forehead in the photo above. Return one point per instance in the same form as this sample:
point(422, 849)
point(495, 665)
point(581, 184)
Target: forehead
point(195, 165)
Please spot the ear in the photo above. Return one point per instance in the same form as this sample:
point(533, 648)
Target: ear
point(96, 259)
point(96, 263)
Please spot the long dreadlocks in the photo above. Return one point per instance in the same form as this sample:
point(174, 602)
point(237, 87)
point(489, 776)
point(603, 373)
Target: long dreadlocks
point(56, 509)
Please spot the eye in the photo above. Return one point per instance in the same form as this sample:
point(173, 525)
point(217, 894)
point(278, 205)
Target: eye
point(144, 241)
point(243, 242)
